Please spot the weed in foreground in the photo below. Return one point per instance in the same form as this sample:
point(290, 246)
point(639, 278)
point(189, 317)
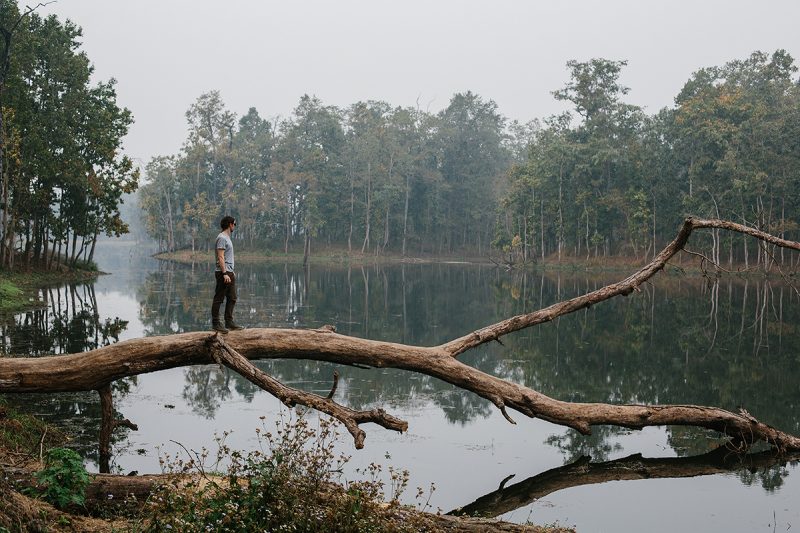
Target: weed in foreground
point(292, 483)
point(63, 480)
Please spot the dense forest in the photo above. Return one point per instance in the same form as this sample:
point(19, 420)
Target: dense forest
point(370, 178)
point(602, 179)
point(63, 175)
point(618, 181)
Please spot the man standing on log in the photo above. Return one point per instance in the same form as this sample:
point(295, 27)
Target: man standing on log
point(226, 279)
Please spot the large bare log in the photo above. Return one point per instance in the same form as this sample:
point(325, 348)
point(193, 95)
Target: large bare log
point(96, 369)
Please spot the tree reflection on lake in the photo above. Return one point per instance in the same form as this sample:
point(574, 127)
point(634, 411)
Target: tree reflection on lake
point(682, 340)
point(68, 321)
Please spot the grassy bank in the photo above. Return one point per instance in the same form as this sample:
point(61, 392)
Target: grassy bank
point(20, 290)
point(341, 256)
point(322, 257)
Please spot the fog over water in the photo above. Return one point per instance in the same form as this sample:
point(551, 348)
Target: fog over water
point(268, 54)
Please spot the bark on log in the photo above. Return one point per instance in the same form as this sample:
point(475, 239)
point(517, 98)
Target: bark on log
point(94, 370)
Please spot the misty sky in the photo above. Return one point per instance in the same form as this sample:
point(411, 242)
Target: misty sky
point(267, 54)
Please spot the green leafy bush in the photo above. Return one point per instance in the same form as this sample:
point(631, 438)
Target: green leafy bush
point(63, 479)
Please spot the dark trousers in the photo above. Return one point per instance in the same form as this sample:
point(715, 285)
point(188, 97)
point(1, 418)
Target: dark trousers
point(227, 292)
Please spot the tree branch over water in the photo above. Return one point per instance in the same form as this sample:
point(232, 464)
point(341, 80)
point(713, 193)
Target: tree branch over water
point(95, 369)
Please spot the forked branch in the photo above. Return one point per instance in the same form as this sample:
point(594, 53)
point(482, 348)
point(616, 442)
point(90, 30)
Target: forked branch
point(291, 397)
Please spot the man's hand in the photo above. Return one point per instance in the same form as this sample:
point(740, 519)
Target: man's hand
point(226, 278)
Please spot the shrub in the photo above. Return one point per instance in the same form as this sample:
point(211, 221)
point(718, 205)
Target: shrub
point(63, 479)
point(289, 484)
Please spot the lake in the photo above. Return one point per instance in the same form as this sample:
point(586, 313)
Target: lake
point(684, 339)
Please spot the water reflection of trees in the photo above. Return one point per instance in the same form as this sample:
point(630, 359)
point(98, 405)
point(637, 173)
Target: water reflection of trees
point(68, 322)
point(682, 340)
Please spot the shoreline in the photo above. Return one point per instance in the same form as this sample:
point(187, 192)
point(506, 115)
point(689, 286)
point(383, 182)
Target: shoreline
point(625, 265)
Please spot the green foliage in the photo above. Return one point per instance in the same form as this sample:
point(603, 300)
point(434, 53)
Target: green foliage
point(64, 478)
point(64, 176)
point(290, 484)
point(9, 295)
point(619, 182)
point(370, 176)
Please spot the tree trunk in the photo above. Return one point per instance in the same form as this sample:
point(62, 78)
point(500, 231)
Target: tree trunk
point(288, 221)
point(405, 217)
point(170, 225)
point(541, 227)
point(385, 232)
point(352, 213)
point(365, 244)
point(3, 203)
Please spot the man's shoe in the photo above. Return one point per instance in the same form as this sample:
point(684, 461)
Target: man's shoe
point(217, 326)
point(233, 326)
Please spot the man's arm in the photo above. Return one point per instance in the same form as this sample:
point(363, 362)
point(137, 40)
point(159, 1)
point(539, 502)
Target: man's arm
point(221, 263)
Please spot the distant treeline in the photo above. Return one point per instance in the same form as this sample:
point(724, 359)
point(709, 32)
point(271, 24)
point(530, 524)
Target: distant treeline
point(372, 177)
point(60, 136)
point(617, 181)
point(603, 179)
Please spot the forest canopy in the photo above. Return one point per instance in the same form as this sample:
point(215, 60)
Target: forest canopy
point(604, 178)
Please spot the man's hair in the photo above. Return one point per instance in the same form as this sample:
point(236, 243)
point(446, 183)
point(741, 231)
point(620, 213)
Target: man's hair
point(226, 222)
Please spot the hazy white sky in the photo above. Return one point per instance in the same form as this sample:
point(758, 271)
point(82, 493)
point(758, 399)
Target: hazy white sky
point(267, 54)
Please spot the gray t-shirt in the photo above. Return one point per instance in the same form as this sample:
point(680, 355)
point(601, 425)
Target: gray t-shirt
point(224, 243)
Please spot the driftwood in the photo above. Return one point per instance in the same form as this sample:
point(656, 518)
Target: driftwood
point(96, 369)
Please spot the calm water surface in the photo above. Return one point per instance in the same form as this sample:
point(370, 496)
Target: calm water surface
point(681, 340)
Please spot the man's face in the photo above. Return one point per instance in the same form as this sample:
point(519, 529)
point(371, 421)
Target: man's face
point(233, 226)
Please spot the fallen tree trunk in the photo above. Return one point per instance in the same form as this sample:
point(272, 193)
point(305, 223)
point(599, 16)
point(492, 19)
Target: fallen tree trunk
point(94, 370)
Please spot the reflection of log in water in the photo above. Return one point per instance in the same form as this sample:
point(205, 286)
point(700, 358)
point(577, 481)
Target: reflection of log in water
point(583, 472)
